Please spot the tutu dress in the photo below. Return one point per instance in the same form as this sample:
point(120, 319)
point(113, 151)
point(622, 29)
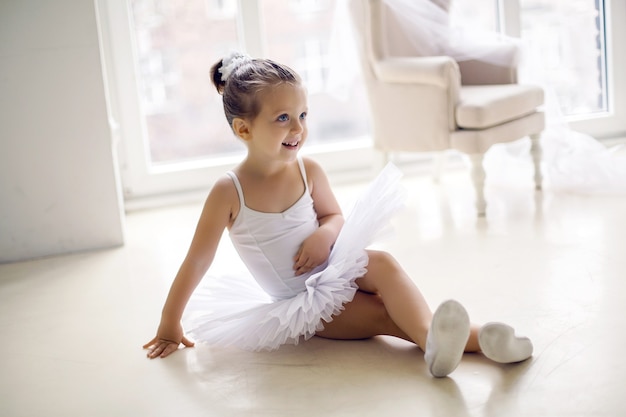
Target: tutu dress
point(274, 306)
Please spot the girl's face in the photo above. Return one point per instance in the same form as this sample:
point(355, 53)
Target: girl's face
point(280, 129)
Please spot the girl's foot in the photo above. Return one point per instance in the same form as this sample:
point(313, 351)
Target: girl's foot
point(498, 342)
point(447, 338)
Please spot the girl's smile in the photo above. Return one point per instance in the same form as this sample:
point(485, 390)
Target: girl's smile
point(293, 145)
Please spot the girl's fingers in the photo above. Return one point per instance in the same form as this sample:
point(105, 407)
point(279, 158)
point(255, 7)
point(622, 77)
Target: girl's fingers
point(150, 343)
point(168, 350)
point(187, 342)
point(156, 350)
point(303, 269)
point(300, 263)
point(165, 348)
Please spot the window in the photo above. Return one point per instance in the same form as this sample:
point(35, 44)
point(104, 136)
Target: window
point(567, 37)
point(176, 44)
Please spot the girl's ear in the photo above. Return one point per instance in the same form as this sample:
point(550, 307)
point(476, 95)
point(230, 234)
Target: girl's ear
point(241, 129)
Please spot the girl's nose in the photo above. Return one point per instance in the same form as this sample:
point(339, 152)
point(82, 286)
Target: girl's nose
point(296, 126)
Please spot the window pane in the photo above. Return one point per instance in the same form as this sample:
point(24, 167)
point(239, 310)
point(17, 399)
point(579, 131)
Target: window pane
point(567, 37)
point(177, 42)
point(302, 40)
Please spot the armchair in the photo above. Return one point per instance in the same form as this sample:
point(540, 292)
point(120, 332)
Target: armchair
point(423, 103)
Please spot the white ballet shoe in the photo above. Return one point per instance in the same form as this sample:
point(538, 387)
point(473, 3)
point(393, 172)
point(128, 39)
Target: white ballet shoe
point(446, 338)
point(498, 342)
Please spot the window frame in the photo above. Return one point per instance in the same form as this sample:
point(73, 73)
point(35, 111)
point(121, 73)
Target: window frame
point(613, 123)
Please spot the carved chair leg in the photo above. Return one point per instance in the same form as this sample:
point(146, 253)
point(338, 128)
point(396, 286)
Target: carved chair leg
point(478, 178)
point(535, 152)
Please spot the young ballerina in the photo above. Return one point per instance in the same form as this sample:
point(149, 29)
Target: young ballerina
point(287, 227)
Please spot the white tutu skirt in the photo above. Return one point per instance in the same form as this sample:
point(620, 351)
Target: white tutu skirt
point(235, 311)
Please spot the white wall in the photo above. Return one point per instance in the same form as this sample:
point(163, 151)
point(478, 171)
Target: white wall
point(59, 190)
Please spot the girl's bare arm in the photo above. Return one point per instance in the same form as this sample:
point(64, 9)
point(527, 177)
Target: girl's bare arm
point(216, 216)
point(316, 248)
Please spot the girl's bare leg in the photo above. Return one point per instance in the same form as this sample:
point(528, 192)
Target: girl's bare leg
point(388, 303)
point(364, 317)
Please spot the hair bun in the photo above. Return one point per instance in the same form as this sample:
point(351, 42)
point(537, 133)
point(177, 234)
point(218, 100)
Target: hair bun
point(231, 62)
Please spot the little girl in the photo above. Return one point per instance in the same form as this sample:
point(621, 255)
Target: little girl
point(287, 227)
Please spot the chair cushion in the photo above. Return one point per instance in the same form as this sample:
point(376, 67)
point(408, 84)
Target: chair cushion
point(483, 106)
point(473, 141)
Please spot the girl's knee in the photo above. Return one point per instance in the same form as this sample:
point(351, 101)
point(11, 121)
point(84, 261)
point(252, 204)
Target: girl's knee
point(382, 261)
point(382, 268)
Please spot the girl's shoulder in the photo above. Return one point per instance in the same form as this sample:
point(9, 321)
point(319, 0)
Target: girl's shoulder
point(313, 168)
point(224, 187)
point(315, 174)
point(224, 194)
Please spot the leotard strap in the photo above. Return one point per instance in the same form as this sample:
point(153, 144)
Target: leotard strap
point(242, 201)
point(303, 173)
point(233, 176)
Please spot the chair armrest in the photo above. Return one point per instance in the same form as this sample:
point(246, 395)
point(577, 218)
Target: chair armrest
point(425, 80)
point(441, 71)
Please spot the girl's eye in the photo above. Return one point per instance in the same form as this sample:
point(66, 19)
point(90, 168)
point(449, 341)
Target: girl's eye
point(303, 116)
point(283, 118)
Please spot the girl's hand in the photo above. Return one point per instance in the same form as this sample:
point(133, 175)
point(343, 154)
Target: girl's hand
point(162, 348)
point(166, 342)
point(313, 252)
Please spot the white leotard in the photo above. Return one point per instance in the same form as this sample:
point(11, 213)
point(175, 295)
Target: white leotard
point(268, 242)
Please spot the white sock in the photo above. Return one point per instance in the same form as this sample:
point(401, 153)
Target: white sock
point(446, 338)
point(498, 342)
